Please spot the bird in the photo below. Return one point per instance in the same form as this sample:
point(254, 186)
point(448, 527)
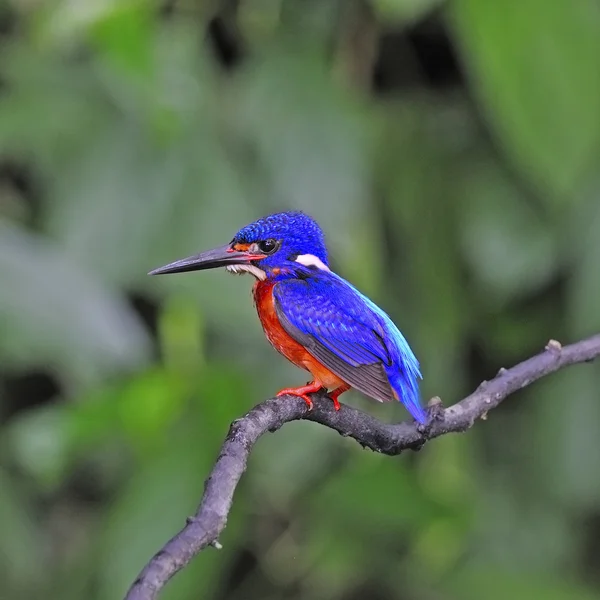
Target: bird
point(313, 317)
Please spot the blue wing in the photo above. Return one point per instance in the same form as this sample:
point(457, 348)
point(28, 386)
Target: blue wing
point(351, 336)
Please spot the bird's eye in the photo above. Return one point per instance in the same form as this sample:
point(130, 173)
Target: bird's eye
point(267, 246)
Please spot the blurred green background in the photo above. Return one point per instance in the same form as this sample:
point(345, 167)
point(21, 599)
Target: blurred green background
point(450, 150)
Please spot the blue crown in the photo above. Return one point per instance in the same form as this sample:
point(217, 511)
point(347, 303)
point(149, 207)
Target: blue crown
point(299, 232)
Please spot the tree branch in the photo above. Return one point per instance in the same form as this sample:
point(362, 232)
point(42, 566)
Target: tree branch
point(204, 527)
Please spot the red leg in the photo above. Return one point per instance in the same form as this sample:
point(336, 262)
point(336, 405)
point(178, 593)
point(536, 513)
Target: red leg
point(303, 391)
point(337, 393)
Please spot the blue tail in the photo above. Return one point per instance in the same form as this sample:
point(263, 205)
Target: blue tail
point(404, 380)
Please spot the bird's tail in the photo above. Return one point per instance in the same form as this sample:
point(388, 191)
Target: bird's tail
point(403, 371)
point(405, 382)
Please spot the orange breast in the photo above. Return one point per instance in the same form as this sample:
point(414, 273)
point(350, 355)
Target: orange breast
point(283, 342)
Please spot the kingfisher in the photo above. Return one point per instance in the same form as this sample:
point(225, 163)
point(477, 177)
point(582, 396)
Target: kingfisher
point(312, 316)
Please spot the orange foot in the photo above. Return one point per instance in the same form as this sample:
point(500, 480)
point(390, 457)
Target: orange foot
point(303, 391)
point(337, 393)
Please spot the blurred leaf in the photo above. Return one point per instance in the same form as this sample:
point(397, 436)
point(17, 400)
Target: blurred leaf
point(507, 243)
point(516, 529)
point(309, 134)
point(567, 429)
point(181, 332)
point(258, 19)
point(40, 444)
point(51, 311)
point(152, 509)
point(46, 443)
point(117, 189)
point(494, 584)
point(533, 65)
point(292, 451)
point(405, 10)
point(383, 484)
point(584, 284)
point(172, 92)
point(521, 333)
point(21, 542)
point(446, 472)
point(223, 395)
point(49, 108)
point(124, 36)
point(63, 21)
point(339, 565)
point(414, 165)
point(142, 409)
point(149, 405)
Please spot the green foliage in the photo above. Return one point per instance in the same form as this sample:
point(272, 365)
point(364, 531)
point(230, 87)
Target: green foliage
point(531, 63)
point(463, 199)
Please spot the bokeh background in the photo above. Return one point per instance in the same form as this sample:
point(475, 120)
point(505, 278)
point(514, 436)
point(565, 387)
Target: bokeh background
point(449, 149)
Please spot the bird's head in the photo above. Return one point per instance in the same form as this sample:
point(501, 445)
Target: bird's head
point(279, 245)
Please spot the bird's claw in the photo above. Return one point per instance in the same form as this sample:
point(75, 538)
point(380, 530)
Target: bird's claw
point(337, 393)
point(293, 392)
point(312, 388)
point(308, 401)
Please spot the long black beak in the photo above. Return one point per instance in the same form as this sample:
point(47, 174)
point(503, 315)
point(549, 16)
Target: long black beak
point(211, 259)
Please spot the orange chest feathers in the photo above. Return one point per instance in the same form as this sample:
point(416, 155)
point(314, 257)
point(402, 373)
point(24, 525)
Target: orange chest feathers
point(283, 342)
point(276, 334)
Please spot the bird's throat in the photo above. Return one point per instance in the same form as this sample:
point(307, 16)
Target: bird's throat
point(243, 269)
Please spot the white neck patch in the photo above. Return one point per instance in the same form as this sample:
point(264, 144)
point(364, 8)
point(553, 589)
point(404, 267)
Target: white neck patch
point(243, 269)
point(310, 260)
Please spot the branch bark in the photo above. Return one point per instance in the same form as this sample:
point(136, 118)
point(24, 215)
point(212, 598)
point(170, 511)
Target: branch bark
point(204, 527)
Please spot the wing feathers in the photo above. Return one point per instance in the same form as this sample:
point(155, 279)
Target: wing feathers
point(351, 360)
point(369, 379)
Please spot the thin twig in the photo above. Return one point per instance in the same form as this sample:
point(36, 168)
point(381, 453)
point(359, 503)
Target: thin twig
point(204, 527)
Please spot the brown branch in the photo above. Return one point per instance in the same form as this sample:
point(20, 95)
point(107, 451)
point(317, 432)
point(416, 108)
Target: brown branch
point(204, 527)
